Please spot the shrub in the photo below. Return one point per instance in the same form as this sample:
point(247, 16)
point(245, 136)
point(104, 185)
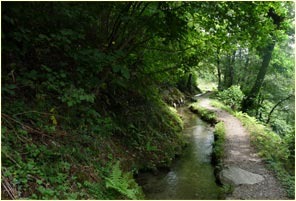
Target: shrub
point(232, 97)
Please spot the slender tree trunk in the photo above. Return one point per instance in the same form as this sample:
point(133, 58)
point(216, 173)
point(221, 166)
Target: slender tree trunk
point(249, 102)
point(272, 110)
point(226, 74)
point(218, 68)
point(258, 106)
point(245, 74)
point(189, 83)
point(231, 81)
point(229, 71)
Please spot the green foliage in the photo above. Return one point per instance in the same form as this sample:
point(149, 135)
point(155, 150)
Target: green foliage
point(218, 146)
point(149, 137)
point(281, 127)
point(232, 97)
point(219, 104)
point(80, 84)
point(74, 96)
point(218, 152)
point(189, 85)
point(228, 188)
point(123, 183)
point(208, 116)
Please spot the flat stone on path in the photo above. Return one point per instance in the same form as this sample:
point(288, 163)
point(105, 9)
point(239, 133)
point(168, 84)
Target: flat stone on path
point(240, 176)
point(242, 161)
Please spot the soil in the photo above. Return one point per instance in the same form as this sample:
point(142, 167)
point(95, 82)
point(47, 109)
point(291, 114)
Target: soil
point(240, 153)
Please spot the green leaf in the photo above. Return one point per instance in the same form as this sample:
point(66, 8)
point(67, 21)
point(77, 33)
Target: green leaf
point(39, 181)
point(125, 73)
point(116, 68)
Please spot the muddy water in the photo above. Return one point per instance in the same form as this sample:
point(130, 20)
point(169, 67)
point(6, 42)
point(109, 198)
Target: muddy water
point(192, 175)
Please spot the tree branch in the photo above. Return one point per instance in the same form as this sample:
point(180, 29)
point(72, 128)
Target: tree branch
point(272, 110)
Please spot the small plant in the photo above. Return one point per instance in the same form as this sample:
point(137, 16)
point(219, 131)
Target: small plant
point(123, 183)
point(232, 96)
point(228, 188)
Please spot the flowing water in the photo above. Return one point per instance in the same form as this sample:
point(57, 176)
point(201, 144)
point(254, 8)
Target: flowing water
point(192, 175)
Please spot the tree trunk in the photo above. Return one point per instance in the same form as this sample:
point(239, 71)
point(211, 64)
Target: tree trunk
point(218, 68)
point(272, 110)
point(189, 83)
point(249, 102)
point(229, 71)
point(245, 74)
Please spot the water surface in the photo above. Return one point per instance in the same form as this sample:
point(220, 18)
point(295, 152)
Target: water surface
point(192, 175)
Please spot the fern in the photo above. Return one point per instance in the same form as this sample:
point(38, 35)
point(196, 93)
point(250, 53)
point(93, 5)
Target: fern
point(123, 183)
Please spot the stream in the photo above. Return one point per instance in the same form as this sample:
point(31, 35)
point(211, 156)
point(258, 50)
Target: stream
point(191, 176)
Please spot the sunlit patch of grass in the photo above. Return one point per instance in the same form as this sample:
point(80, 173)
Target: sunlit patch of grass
point(204, 114)
point(222, 106)
point(219, 135)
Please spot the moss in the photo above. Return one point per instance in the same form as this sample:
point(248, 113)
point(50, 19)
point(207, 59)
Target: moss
point(219, 136)
point(218, 149)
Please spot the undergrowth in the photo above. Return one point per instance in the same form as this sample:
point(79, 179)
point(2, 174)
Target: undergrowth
point(124, 183)
point(49, 155)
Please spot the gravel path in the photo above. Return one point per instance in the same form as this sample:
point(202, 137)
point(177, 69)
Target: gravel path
point(240, 153)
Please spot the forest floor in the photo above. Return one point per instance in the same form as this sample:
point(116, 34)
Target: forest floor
point(240, 153)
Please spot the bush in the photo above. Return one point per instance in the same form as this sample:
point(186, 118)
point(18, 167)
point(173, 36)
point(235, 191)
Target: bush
point(232, 97)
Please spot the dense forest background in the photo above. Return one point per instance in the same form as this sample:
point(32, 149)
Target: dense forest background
point(86, 86)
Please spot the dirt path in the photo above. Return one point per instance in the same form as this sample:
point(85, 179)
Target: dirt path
point(239, 153)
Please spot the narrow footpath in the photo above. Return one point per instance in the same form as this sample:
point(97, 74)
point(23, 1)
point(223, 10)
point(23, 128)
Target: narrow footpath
point(242, 166)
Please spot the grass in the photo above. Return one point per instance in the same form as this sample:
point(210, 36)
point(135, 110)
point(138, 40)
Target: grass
point(219, 153)
point(220, 105)
point(219, 136)
point(204, 114)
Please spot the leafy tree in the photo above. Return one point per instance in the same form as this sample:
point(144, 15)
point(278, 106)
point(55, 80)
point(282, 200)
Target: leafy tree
point(85, 73)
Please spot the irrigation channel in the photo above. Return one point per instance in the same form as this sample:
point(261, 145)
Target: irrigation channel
point(191, 176)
